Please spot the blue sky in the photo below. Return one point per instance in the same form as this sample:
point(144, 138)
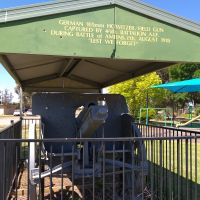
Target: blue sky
point(188, 9)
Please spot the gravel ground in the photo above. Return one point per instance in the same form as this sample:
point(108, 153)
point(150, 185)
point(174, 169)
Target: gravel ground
point(56, 187)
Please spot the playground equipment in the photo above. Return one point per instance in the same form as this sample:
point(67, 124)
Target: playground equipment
point(188, 122)
point(87, 116)
point(158, 109)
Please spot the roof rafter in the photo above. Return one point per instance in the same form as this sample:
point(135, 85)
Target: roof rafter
point(69, 62)
point(39, 79)
point(106, 67)
point(59, 89)
point(71, 67)
point(54, 76)
point(85, 81)
point(154, 66)
point(41, 64)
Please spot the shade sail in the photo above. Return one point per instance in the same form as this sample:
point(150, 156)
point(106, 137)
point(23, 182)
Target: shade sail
point(192, 85)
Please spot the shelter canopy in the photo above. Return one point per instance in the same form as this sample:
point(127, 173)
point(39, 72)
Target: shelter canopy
point(83, 46)
point(192, 85)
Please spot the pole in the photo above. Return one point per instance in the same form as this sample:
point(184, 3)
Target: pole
point(173, 111)
point(140, 115)
point(165, 117)
point(21, 102)
point(190, 112)
point(147, 107)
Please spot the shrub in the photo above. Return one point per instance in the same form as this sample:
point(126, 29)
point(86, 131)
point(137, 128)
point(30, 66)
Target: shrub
point(151, 114)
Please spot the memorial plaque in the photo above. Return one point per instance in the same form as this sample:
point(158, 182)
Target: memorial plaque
point(105, 32)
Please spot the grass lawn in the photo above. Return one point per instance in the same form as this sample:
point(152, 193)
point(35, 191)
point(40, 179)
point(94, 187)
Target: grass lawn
point(175, 168)
point(169, 159)
point(24, 145)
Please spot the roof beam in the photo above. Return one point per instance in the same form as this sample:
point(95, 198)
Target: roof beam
point(59, 89)
point(40, 64)
point(72, 66)
point(106, 67)
point(142, 70)
point(54, 76)
point(10, 68)
point(118, 79)
point(85, 81)
point(66, 67)
point(40, 79)
point(152, 67)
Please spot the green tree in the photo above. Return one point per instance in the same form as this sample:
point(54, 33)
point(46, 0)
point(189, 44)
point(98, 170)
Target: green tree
point(196, 74)
point(181, 72)
point(135, 92)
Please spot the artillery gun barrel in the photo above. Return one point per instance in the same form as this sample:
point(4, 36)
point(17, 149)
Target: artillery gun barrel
point(91, 118)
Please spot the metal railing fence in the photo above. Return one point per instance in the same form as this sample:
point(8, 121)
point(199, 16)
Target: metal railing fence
point(117, 169)
point(9, 157)
point(26, 121)
point(177, 156)
point(163, 164)
point(163, 131)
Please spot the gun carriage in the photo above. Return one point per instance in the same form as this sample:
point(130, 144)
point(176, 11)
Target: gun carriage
point(89, 116)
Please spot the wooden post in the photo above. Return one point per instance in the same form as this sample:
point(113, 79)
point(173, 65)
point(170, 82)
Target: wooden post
point(21, 102)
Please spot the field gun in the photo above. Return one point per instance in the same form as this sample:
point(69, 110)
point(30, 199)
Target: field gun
point(93, 118)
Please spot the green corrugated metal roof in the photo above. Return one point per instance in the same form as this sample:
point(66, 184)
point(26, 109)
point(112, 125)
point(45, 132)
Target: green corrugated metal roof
point(40, 60)
point(45, 9)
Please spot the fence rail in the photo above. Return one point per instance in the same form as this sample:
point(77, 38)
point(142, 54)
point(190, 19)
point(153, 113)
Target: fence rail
point(9, 152)
point(163, 164)
point(176, 156)
point(162, 131)
point(120, 173)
